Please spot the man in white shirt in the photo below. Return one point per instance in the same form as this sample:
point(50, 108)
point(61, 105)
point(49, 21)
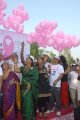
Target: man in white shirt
point(55, 83)
point(1, 73)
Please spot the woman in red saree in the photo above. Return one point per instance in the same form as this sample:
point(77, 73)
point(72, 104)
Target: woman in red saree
point(11, 91)
point(64, 83)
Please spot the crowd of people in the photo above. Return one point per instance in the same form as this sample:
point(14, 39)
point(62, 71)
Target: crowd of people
point(44, 86)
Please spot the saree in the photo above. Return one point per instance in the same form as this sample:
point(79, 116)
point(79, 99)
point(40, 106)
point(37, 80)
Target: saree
point(29, 97)
point(0, 106)
point(9, 96)
point(65, 93)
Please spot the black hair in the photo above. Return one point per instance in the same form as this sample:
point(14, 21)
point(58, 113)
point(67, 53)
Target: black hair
point(47, 57)
point(63, 59)
point(3, 63)
point(40, 57)
point(63, 62)
point(31, 60)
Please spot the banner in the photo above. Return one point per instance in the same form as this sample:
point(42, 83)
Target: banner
point(10, 42)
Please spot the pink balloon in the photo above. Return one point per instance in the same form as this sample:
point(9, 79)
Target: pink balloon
point(1, 1)
point(15, 26)
point(24, 15)
point(4, 14)
point(15, 21)
point(8, 45)
point(51, 42)
point(69, 45)
point(19, 19)
point(20, 29)
point(1, 12)
point(76, 43)
point(3, 5)
point(15, 12)
point(55, 46)
point(30, 40)
point(59, 41)
point(60, 34)
point(21, 13)
point(10, 19)
point(6, 24)
point(1, 19)
point(54, 24)
point(21, 7)
point(59, 49)
point(45, 27)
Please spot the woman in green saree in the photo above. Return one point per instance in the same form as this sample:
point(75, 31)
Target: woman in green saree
point(29, 89)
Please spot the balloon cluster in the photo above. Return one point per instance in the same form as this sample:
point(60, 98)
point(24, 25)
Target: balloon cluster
point(14, 21)
point(46, 27)
point(3, 6)
point(44, 35)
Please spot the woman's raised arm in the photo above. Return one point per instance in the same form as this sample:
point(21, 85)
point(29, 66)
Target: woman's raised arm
point(22, 54)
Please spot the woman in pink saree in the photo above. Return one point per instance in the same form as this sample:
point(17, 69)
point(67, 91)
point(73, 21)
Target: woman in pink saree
point(11, 93)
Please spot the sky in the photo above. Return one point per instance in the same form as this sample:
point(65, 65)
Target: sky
point(65, 12)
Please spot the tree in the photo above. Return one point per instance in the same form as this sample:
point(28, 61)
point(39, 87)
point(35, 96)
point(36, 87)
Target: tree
point(67, 54)
point(34, 50)
point(41, 51)
point(52, 54)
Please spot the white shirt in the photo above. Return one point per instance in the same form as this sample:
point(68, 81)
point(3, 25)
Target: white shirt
point(47, 65)
point(1, 72)
point(72, 76)
point(56, 70)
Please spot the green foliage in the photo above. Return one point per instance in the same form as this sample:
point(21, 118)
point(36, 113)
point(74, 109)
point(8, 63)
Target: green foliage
point(67, 54)
point(41, 51)
point(52, 54)
point(34, 50)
